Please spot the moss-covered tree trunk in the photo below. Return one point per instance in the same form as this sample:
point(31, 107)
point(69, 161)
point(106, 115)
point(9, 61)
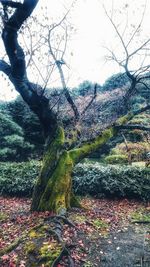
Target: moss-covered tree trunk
point(53, 190)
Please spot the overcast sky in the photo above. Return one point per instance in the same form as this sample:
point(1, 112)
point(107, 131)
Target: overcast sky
point(93, 32)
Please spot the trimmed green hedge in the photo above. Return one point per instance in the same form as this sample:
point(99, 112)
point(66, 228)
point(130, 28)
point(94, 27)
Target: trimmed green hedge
point(112, 181)
point(18, 179)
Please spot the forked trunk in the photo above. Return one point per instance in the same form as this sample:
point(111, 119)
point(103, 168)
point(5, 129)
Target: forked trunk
point(53, 190)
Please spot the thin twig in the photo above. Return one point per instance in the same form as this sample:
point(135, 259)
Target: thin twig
point(92, 100)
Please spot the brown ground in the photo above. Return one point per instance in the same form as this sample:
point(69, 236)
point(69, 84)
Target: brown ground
point(106, 234)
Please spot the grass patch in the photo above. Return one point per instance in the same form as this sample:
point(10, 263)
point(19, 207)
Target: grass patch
point(141, 215)
point(100, 224)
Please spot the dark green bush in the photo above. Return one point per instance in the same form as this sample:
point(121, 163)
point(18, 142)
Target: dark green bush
point(115, 81)
point(21, 135)
point(18, 179)
point(12, 142)
point(112, 181)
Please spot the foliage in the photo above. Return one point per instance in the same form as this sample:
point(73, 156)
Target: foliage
point(8, 125)
point(136, 144)
point(13, 144)
point(85, 88)
point(112, 181)
point(18, 178)
point(143, 89)
point(26, 119)
point(137, 99)
point(137, 151)
point(94, 179)
point(142, 119)
point(136, 135)
point(115, 81)
point(21, 133)
point(116, 159)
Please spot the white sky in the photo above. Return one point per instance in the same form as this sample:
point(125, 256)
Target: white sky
point(93, 32)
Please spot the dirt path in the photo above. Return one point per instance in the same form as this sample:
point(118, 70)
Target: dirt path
point(129, 248)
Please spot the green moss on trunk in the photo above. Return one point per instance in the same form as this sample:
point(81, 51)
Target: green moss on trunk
point(85, 150)
point(53, 190)
point(57, 193)
point(50, 159)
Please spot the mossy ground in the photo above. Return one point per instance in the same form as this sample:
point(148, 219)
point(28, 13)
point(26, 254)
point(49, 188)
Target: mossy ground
point(141, 215)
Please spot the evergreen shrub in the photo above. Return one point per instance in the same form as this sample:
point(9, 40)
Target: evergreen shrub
point(95, 179)
point(18, 179)
point(112, 181)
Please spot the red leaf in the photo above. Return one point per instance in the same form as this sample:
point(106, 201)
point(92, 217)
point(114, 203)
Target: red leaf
point(5, 257)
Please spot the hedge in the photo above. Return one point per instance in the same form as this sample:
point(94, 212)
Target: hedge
point(18, 179)
point(112, 181)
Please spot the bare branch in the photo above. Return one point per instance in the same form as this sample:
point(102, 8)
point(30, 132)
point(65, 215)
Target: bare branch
point(117, 31)
point(125, 65)
point(90, 103)
point(141, 70)
point(146, 86)
point(63, 19)
point(139, 25)
point(113, 57)
point(65, 45)
point(59, 66)
point(139, 48)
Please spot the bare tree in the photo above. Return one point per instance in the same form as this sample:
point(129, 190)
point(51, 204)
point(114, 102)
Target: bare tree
point(131, 51)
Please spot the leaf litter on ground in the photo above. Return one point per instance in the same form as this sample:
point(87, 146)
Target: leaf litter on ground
point(96, 221)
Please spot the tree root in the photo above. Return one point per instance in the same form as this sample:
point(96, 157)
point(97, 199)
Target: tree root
point(63, 218)
point(58, 233)
point(33, 241)
point(64, 252)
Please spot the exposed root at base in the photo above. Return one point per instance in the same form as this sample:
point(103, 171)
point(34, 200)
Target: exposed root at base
point(44, 244)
